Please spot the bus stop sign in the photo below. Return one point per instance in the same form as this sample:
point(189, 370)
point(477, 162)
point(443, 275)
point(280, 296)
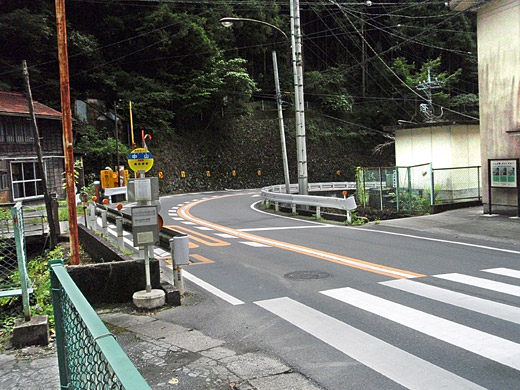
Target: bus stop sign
point(140, 159)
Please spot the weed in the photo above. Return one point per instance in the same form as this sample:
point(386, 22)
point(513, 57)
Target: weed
point(40, 301)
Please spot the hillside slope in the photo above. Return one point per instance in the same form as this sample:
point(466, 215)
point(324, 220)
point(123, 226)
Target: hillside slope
point(252, 143)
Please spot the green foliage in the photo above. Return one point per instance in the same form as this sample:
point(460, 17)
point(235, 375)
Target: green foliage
point(328, 89)
point(182, 69)
point(11, 307)
point(98, 149)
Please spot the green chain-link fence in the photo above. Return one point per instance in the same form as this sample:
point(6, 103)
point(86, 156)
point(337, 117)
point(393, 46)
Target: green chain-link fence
point(13, 259)
point(89, 356)
point(414, 189)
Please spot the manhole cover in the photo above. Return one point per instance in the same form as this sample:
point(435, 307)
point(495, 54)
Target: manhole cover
point(306, 275)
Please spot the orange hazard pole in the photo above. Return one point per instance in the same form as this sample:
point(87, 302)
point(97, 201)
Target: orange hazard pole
point(67, 130)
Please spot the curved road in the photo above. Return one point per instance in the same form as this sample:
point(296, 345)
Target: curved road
point(350, 307)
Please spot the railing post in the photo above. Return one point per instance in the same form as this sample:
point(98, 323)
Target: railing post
point(364, 188)
point(409, 173)
point(104, 225)
point(432, 186)
point(397, 187)
point(57, 308)
point(92, 216)
point(478, 183)
point(318, 214)
point(119, 230)
point(381, 188)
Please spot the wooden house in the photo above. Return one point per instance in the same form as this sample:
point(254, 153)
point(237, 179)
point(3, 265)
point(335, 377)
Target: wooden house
point(19, 177)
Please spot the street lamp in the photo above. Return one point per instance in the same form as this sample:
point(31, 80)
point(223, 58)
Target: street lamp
point(298, 93)
point(228, 22)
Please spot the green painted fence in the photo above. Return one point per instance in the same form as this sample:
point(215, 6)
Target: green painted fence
point(89, 356)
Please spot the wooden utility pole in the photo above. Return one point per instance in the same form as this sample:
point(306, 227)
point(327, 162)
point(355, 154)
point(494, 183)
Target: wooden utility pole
point(68, 148)
point(41, 167)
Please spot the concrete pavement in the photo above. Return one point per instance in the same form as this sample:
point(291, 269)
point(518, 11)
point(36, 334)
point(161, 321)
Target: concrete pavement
point(170, 356)
point(468, 223)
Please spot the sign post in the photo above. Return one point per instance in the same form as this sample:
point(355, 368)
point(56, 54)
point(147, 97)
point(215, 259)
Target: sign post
point(503, 173)
point(145, 220)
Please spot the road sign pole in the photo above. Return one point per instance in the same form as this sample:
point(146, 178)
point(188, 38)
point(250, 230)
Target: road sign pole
point(147, 267)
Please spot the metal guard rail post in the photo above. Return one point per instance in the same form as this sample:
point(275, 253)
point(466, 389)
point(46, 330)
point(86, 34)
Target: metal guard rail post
point(88, 354)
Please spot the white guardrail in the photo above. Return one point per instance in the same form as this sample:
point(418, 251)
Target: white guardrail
point(277, 194)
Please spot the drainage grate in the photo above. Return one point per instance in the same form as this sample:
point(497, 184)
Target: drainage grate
point(307, 275)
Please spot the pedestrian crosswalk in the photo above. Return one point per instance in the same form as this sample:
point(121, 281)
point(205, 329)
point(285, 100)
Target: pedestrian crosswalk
point(401, 366)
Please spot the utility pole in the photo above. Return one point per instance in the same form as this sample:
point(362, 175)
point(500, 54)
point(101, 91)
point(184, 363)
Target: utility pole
point(296, 46)
point(41, 167)
point(68, 148)
point(280, 122)
point(116, 134)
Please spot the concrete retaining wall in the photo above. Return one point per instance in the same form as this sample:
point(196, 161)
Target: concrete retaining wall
point(116, 279)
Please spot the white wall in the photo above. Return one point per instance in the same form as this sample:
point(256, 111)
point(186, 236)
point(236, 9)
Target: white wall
point(445, 146)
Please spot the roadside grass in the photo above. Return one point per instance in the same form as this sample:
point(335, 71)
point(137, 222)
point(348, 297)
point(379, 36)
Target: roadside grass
point(40, 300)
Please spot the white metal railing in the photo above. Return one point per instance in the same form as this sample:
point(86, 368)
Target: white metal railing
point(277, 195)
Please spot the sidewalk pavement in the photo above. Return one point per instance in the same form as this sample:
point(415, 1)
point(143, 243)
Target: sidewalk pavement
point(170, 356)
point(468, 223)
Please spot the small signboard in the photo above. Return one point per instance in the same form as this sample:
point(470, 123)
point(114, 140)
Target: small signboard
point(504, 173)
point(145, 227)
point(140, 159)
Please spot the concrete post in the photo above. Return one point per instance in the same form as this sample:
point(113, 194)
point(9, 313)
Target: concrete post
point(104, 226)
point(92, 216)
point(318, 212)
point(119, 229)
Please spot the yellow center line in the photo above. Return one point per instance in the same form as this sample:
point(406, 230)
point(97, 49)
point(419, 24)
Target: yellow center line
point(196, 236)
point(184, 212)
point(202, 259)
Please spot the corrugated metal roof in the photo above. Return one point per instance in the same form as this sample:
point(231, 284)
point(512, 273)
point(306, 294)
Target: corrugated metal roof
point(14, 103)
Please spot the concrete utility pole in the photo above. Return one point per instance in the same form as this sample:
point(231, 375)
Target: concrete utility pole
point(41, 167)
point(280, 121)
point(68, 149)
point(296, 46)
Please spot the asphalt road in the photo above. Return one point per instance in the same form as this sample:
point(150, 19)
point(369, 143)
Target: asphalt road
point(368, 307)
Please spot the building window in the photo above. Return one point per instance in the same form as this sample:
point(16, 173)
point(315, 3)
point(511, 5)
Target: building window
point(26, 181)
point(16, 130)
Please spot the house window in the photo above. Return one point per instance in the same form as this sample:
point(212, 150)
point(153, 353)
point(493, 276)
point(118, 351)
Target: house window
point(16, 130)
point(26, 181)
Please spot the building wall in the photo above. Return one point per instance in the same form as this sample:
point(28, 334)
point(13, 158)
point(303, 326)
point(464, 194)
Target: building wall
point(498, 35)
point(20, 152)
point(447, 146)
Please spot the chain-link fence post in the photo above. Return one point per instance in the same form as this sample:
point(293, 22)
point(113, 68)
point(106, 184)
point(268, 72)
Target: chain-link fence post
point(19, 237)
point(57, 308)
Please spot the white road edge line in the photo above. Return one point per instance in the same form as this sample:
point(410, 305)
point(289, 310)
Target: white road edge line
point(395, 234)
point(212, 289)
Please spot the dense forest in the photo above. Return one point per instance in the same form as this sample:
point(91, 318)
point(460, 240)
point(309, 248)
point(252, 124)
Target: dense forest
point(367, 64)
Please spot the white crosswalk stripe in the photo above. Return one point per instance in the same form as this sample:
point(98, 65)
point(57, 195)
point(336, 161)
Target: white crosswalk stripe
point(484, 344)
point(479, 305)
point(513, 273)
point(482, 283)
point(394, 363)
point(401, 366)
